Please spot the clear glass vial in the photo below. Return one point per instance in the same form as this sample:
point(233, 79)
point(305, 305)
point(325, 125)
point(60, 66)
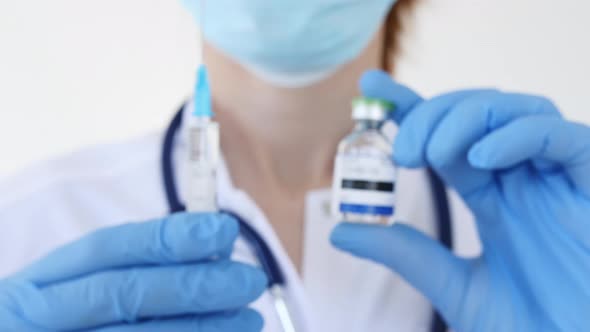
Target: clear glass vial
point(364, 173)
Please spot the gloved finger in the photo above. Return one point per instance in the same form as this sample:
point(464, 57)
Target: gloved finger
point(538, 137)
point(175, 239)
point(420, 260)
point(10, 309)
point(379, 84)
point(246, 320)
point(130, 295)
point(416, 129)
point(465, 123)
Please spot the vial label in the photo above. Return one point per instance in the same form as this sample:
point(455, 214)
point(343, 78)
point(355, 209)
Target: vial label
point(363, 185)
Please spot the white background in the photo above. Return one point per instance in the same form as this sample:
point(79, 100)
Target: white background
point(79, 72)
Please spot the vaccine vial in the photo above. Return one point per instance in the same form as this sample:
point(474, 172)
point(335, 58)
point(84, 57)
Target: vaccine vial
point(364, 173)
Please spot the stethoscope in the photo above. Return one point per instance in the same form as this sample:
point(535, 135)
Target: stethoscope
point(266, 258)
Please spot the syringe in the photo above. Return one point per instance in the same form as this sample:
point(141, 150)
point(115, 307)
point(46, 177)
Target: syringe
point(203, 156)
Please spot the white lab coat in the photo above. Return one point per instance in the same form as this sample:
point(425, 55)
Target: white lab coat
point(60, 200)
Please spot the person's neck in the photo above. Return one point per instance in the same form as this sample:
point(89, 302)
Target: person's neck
point(285, 138)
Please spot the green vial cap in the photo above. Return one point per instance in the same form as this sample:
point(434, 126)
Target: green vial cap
point(365, 108)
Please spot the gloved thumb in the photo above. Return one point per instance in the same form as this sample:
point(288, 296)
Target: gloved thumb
point(379, 84)
point(421, 261)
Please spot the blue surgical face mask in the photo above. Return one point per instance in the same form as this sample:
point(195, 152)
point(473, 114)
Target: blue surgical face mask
point(290, 42)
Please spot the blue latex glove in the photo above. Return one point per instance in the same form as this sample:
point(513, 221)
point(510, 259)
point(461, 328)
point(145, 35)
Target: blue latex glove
point(172, 274)
point(524, 171)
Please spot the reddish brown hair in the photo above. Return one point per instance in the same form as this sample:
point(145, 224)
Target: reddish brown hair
point(394, 26)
